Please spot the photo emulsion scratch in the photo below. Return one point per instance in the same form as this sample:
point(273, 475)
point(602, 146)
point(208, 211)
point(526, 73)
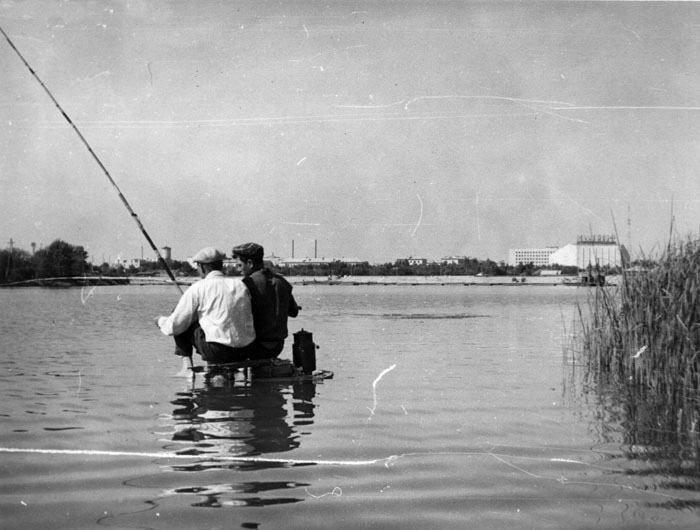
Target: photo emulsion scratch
point(431, 184)
point(374, 386)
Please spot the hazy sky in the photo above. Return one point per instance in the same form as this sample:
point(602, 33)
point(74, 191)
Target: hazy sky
point(379, 129)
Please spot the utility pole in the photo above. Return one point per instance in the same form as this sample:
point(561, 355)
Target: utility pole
point(629, 228)
point(9, 259)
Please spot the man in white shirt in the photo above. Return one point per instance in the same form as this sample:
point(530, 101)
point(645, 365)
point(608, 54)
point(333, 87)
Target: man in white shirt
point(214, 315)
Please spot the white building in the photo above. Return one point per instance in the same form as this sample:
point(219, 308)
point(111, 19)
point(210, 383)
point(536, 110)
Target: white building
point(602, 251)
point(565, 256)
point(299, 262)
point(593, 250)
point(126, 263)
point(539, 257)
point(452, 260)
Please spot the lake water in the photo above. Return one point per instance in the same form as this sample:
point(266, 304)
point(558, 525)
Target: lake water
point(450, 407)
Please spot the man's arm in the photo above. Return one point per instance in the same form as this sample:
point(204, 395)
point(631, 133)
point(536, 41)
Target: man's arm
point(182, 317)
point(292, 307)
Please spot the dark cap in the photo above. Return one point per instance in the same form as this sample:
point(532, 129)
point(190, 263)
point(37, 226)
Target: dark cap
point(249, 251)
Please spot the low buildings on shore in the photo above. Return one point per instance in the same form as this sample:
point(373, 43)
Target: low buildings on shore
point(592, 250)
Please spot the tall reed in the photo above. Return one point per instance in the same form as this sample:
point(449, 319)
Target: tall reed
point(645, 333)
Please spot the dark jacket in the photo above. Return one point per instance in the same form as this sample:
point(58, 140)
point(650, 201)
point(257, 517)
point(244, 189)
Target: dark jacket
point(272, 302)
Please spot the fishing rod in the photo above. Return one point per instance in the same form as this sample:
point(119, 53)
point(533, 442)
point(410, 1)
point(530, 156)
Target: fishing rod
point(99, 163)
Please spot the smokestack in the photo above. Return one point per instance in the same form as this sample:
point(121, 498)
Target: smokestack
point(292, 249)
point(315, 248)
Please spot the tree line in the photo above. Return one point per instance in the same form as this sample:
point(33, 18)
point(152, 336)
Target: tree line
point(59, 259)
point(62, 259)
point(466, 267)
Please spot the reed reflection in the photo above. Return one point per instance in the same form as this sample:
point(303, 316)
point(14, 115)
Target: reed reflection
point(644, 432)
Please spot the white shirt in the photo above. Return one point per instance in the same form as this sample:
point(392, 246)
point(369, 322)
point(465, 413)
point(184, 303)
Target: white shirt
point(222, 306)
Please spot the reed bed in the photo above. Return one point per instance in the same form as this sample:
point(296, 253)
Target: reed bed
point(643, 337)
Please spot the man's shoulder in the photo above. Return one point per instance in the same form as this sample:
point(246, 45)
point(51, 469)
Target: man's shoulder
point(213, 278)
point(279, 282)
point(276, 279)
point(269, 273)
point(260, 276)
point(234, 280)
point(264, 279)
point(234, 285)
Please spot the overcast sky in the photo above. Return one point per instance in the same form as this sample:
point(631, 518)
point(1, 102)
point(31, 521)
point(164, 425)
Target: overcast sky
point(378, 129)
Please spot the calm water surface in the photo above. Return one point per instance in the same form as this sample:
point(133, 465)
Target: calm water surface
point(451, 407)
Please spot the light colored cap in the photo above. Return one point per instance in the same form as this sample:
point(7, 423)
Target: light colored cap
point(208, 255)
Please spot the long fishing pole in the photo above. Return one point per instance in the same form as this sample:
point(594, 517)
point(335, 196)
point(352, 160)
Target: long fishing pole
point(99, 162)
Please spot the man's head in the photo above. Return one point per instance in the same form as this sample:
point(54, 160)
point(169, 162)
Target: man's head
point(248, 257)
point(208, 259)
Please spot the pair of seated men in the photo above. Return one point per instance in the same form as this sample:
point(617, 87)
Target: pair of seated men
point(232, 319)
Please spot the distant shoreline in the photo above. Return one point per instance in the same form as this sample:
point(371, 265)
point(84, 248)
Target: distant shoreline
point(442, 280)
point(83, 281)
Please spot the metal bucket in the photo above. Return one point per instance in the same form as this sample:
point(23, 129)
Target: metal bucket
point(304, 351)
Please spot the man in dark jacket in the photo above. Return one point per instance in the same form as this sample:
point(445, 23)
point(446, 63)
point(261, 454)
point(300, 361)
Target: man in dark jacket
point(272, 299)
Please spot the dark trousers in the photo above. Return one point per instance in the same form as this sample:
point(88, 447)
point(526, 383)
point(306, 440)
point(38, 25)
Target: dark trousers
point(267, 350)
point(212, 352)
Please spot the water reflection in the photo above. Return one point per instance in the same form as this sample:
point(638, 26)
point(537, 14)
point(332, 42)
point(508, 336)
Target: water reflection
point(241, 418)
point(648, 434)
point(237, 494)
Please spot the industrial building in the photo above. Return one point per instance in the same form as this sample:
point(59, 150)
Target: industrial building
point(602, 251)
point(591, 250)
